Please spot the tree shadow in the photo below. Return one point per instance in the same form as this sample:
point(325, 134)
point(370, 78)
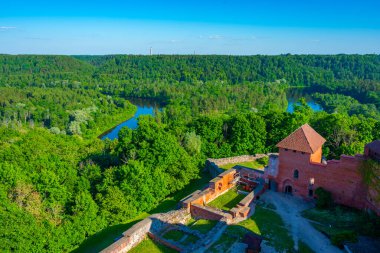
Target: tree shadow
point(103, 238)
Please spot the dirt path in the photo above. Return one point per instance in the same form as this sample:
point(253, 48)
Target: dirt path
point(289, 208)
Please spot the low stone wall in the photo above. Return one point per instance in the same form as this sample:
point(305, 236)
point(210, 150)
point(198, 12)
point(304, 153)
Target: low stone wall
point(236, 159)
point(131, 237)
point(208, 213)
point(167, 243)
point(153, 224)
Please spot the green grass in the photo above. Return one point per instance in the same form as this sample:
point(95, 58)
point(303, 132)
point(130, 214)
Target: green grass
point(252, 164)
point(224, 243)
point(177, 236)
point(342, 219)
point(304, 248)
point(174, 235)
point(204, 226)
point(106, 237)
point(267, 223)
point(190, 239)
point(150, 246)
point(227, 201)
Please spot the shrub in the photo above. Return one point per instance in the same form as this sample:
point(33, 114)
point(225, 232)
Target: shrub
point(344, 236)
point(263, 161)
point(324, 198)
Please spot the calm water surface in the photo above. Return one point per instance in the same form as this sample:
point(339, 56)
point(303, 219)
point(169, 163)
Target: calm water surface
point(293, 95)
point(144, 107)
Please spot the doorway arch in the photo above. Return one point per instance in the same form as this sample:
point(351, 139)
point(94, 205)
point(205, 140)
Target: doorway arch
point(288, 189)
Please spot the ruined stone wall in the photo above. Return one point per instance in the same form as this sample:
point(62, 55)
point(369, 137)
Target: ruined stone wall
point(153, 224)
point(217, 186)
point(208, 213)
point(131, 237)
point(236, 159)
point(167, 243)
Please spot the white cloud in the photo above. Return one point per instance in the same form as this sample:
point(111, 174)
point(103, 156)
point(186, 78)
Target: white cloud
point(215, 37)
point(7, 27)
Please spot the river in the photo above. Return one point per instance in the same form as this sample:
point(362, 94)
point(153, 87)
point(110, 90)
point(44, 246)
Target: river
point(294, 94)
point(148, 106)
point(144, 107)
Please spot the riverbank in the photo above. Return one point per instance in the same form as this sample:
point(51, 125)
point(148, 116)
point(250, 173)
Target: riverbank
point(112, 122)
point(143, 107)
point(293, 94)
point(119, 119)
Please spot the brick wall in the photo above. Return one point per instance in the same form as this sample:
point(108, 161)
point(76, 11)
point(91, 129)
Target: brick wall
point(217, 186)
point(341, 177)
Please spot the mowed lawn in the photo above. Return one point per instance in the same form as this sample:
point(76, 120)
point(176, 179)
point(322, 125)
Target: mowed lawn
point(203, 226)
point(264, 222)
point(227, 201)
point(252, 164)
point(150, 246)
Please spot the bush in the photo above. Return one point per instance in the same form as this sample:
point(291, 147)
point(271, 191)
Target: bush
point(324, 198)
point(345, 236)
point(263, 161)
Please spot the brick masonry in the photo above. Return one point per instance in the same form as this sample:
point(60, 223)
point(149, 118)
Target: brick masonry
point(302, 173)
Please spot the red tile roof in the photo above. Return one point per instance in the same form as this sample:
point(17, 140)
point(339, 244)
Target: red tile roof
point(304, 139)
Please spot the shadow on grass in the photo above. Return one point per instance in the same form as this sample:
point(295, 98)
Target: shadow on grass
point(204, 226)
point(103, 238)
point(233, 202)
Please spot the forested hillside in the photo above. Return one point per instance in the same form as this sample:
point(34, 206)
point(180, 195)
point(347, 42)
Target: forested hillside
point(60, 184)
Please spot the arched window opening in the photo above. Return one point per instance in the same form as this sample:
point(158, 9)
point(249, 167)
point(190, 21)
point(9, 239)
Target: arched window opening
point(295, 174)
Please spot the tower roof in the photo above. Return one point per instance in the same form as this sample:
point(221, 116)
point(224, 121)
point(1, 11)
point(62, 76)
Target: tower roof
point(304, 139)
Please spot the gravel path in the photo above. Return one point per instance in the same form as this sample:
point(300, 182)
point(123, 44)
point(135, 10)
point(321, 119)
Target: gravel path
point(289, 208)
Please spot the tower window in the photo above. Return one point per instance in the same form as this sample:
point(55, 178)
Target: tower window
point(295, 174)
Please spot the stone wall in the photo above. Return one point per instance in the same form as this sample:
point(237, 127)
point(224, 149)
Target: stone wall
point(217, 186)
point(153, 224)
point(236, 159)
point(208, 213)
point(165, 242)
point(131, 237)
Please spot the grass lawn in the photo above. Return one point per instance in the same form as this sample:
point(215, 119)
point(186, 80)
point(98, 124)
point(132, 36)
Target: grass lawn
point(304, 248)
point(266, 223)
point(204, 226)
point(150, 246)
point(106, 237)
point(343, 222)
point(190, 239)
point(252, 164)
point(224, 243)
point(227, 201)
point(174, 235)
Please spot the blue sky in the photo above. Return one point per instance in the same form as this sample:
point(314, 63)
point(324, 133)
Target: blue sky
point(239, 27)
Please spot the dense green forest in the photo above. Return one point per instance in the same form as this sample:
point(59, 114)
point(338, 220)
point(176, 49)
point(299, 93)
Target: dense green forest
point(60, 184)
